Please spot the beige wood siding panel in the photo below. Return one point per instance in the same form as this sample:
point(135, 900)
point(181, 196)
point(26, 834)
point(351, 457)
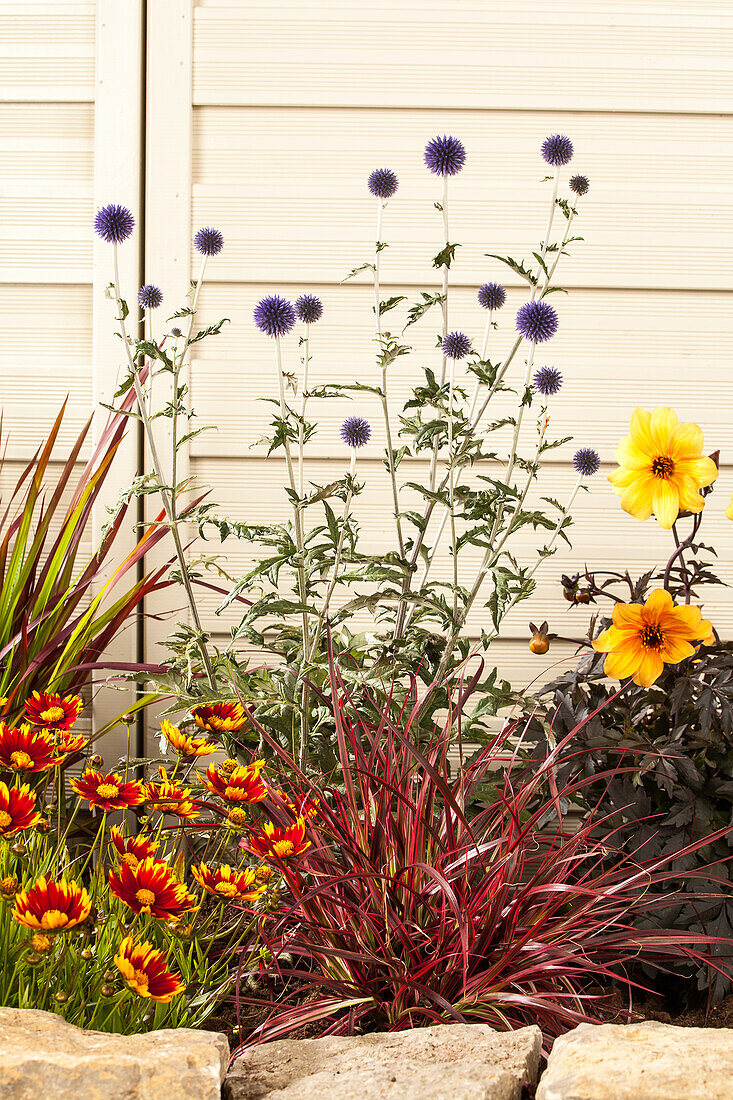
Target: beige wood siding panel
point(631, 55)
point(47, 51)
point(288, 190)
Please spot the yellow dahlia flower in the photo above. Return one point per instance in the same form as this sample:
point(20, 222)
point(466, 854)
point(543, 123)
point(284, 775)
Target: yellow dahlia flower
point(661, 467)
point(645, 637)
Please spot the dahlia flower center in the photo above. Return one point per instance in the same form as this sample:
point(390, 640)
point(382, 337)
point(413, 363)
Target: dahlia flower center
point(5, 819)
point(21, 760)
point(283, 848)
point(145, 897)
point(663, 467)
point(651, 637)
point(226, 889)
point(51, 715)
point(54, 918)
point(108, 790)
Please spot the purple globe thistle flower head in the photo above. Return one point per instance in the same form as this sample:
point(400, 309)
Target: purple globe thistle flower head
point(445, 156)
point(355, 431)
point(586, 462)
point(537, 321)
point(491, 296)
point(547, 381)
point(308, 308)
point(208, 241)
point(113, 223)
point(557, 150)
point(274, 315)
point(149, 296)
point(455, 345)
point(383, 183)
point(579, 184)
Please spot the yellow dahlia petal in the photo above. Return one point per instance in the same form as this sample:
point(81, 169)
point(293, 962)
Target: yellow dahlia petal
point(649, 670)
point(675, 649)
point(641, 435)
point(663, 423)
point(607, 640)
point(729, 509)
point(622, 477)
point(666, 505)
point(700, 468)
point(659, 601)
point(631, 456)
point(623, 662)
point(638, 498)
point(686, 441)
point(627, 615)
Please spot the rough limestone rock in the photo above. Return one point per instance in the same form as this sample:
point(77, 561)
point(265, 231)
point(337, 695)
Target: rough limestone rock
point(649, 1061)
point(451, 1062)
point(41, 1055)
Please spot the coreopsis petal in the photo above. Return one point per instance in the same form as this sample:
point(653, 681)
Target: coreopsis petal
point(52, 906)
point(145, 971)
point(17, 809)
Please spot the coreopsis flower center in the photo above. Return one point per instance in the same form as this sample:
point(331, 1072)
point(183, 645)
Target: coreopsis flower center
point(651, 637)
point(226, 889)
point(227, 766)
point(5, 819)
point(52, 715)
point(138, 982)
point(283, 848)
point(54, 918)
point(108, 790)
point(21, 760)
point(131, 860)
point(663, 467)
point(237, 816)
point(166, 807)
point(145, 897)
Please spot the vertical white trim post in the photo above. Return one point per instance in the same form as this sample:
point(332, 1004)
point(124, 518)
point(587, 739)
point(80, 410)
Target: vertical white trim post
point(117, 178)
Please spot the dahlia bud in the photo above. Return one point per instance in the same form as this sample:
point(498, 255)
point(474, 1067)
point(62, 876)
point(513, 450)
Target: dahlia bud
point(540, 641)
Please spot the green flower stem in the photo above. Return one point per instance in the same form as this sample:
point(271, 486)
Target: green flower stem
point(337, 558)
point(164, 493)
point(444, 310)
point(564, 241)
point(303, 403)
point(383, 392)
point(550, 218)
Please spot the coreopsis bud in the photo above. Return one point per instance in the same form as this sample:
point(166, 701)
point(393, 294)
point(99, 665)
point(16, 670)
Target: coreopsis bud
point(9, 886)
point(96, 761)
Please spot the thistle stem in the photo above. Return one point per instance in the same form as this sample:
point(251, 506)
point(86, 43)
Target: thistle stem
point(444, 311)
point(383, 394)
point(337, 557)
point(166, 497)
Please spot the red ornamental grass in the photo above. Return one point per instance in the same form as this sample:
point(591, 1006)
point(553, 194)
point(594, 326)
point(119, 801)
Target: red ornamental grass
point(407, 910)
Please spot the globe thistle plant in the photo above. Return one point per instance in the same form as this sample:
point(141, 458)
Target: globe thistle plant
point(445, 156)
point(547, 381)
point(208, 241)
point(579, 185)
point(355, 432)
point(537, 321)
point(491, 296)
point(383, 183)
point(586, 461)
point(308, 309)
point(114, 223)
point(274, 316)
point(557, 150)
point(456, 345)
point(149, 296)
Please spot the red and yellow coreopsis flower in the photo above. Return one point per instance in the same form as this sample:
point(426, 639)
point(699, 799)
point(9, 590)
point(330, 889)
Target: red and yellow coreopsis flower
point(69, 743)
point(151, 888)
point(185, 745)
point(169, 797)
point(52, 711)
point(108, 792)
point(645, 637)
point(240, 784)
point(276, 843)
point(219, 717)
point(131, 849)
point(17, 809)
point(145, 971)
point(228, 884)
point(23, 749)
point(52, 906)
point(661, 467)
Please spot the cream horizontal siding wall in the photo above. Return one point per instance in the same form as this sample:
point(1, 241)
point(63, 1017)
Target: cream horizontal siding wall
point(291, 107)
point(70, 100)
